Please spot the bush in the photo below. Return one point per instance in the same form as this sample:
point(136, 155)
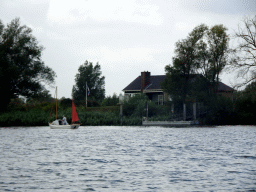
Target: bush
point(66, 103)
point(110, 101)
point(220, 112)
point(245, 107)
point(135, 106)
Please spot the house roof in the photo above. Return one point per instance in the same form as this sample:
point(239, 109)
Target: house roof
point(155, 84)
point(223, 87)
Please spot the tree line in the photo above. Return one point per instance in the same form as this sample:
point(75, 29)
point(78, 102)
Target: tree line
point(24, 74)
point(22, 71)
point(194, 72)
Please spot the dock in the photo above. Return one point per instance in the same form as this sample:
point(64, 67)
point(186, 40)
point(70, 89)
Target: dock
point(170, 123)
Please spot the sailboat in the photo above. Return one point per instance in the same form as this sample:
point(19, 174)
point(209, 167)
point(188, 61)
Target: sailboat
point(57, 123)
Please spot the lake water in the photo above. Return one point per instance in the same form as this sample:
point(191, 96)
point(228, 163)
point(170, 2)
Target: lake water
point(128, 159)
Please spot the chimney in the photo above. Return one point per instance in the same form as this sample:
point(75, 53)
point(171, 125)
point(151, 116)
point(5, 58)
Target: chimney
point(145, 80)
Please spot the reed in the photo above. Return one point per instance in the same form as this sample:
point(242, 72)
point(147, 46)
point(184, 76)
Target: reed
point(23, 118)
point(42, 114)
point(35, 117)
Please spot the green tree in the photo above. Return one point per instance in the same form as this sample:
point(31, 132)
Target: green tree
point(92, 75)
point(110, 101)
point(250, 91)
point(174, 83)
point(202, 54)
point(184, 66)
point(221, 112)
point(65, 102)
point(22, 72)
point(218, 51)
point(43, 96)
point(245, 104)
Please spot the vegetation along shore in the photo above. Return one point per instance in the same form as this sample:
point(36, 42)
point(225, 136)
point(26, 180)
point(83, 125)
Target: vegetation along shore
point(189, 91)
point(223, 111)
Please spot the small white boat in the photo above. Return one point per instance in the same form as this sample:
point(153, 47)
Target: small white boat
point(57, 124)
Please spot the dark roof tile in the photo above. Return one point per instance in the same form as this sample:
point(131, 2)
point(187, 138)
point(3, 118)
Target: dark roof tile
point(224, 87)
point(155, 83)
point(135, 85)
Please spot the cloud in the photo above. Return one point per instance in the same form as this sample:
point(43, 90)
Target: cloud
point(110, 55)
point(67, 12)
point(233, 7)
point(183, 26)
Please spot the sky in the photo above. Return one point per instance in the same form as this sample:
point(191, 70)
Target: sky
point(126, 37)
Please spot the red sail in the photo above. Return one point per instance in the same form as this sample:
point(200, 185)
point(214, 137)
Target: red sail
point(74, 114)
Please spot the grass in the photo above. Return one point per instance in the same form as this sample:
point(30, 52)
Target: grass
point(93, 117)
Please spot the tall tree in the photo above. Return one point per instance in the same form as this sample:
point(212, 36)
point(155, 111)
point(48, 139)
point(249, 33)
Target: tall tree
point(217, 53)
point(202, 52)
point(177, 83)
point(22, 72)
point(244, 55)
point(43, 96)
point(95, 81)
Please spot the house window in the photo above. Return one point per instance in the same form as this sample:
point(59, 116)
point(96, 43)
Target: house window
point(160, 99)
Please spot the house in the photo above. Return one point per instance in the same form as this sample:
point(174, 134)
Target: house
point(151, 86)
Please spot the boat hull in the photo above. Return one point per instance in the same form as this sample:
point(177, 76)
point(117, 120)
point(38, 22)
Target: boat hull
point(73, 126)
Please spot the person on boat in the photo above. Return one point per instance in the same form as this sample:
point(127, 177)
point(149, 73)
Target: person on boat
point(64, 120)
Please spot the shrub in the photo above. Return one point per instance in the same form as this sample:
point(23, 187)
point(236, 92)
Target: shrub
point(220, 112)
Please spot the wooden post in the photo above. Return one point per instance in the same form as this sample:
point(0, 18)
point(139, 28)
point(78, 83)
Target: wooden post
point(184, 112)
point(194, 110)
point(121, 113)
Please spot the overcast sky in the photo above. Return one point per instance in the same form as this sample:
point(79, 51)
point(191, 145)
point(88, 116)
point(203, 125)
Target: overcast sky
point(126, 37)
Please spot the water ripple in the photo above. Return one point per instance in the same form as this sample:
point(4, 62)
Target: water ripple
point(128, 158)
